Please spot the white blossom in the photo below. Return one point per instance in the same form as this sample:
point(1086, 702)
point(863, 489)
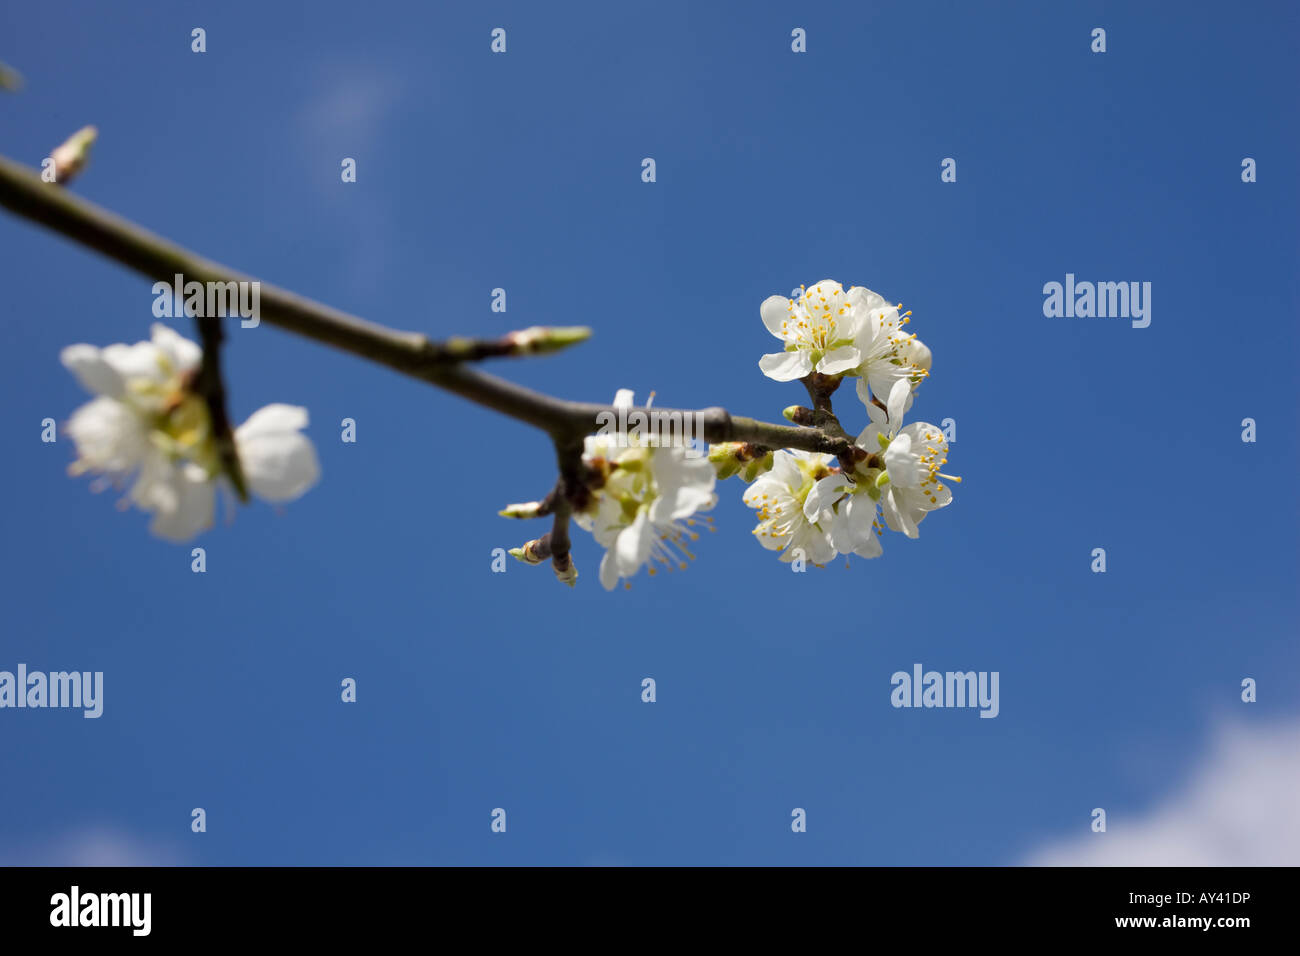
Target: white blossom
point(819, 330)
point(147, 426)
point(847, 509)
point(911, 484)
point(644, 511)
point(887, 353)
point(779, 496)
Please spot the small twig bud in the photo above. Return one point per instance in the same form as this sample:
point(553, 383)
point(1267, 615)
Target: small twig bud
point(546, 338)
point(738, 457)
point(565, 570)
point(525, 509)
point(533, 552)
point(756, 466)
point(70, 158)
point(800, 415)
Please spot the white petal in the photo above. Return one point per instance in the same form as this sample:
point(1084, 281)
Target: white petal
point(942, 498)
point(825, 288)
point(673, 469)
point(192, 513)
point(763, 485)
point(180, 496)
point(863, 298)
point(861, 511)
point(923, 433)
point(682, 503)
point(774, 311)
point(785, 471)
point(825, 302)
point(885, 320)
point(786, 366)
point(882, 376)
point(624, 398)
point(154, 488)
point(142, 360)
point(279, 464)
point(877, 414)
point(279, 469)
point(813, 542)
point(90, 369)
point(273, 419)
point(897, 401)
point(608, 571)
point(183, 354)
point(870, 548)
point(608, 521)
point(795, 547)
point(901, 462)
point(109, 436)
point(853, 531)
point(632, 548)
point(867, 439)
point(839, 360)
point(823, 494)
point(843, 537)
point(685, 485)
point(917, 500)
point(917, 353)
point(850, 324)
point(772, 542)
point(898, 518)
point(809, 460)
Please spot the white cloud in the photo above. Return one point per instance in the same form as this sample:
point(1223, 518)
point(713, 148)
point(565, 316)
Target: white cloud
point(351, 115)
point(1241, 807)
point(352, 105)
point(97, 846)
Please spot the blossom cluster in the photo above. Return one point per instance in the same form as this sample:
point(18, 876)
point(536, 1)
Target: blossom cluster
point(149, 427)
point(810, 506)
point(807, 505)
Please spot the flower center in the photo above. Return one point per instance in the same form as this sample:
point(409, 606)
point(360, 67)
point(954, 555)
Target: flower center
point(812, 322)
point(931, 460)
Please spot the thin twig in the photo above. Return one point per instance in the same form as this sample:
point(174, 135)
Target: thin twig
point(24, 193)
point(211, 386)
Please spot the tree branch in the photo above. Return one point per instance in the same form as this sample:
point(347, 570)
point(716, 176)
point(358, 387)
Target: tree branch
point(442, 364)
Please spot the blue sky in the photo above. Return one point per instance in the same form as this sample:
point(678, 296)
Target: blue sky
point(475, 171)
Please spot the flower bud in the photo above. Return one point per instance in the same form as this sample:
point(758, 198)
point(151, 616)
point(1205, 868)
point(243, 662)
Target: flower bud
point(544, 338)
point(742, 458)
point(565, 570)
point(524, 509)
point(756, 467)
point(70, 158)
point(724, 458)
point(533, 552)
